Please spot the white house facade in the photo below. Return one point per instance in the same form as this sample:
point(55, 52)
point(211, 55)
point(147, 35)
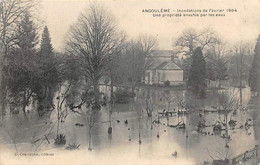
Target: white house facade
point(163, 69)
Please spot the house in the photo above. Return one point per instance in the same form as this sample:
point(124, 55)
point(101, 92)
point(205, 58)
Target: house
point(163, 68)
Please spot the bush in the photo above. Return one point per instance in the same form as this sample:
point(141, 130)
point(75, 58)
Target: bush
point(96, 107)
point(60, 139)
point(109, 130)
point(123, 96)
point(167, 83)
point(203, 94)
point(131, 94)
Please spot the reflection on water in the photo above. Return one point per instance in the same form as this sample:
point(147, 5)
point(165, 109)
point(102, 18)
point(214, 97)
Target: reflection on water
point(191, 146)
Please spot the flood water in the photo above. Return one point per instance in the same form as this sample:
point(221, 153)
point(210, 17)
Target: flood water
point(20, 134)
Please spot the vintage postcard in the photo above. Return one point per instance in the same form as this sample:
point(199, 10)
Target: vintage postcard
point(135, 82)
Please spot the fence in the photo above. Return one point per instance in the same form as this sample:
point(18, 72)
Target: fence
point(253, 153)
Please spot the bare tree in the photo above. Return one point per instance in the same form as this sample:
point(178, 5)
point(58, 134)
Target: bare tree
point(150, 106)
point(11, 12)
point(169, 99)
point(60, 107)
point(114, 72)
point(137, 59)
point(179, 99)
point(139, 109)
point(228, 102)
point(188, 41)
point(217, 60)
point(148, 43)
point(95, 37)
point(89, 115)
point(241, 51)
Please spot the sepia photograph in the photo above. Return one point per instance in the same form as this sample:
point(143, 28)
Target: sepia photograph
point(128, 82)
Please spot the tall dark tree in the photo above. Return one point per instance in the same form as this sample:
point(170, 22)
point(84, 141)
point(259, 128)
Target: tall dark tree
point(46, 46)
point(137, 59)
point(255, 70)
point(48, 73)
point(20, 73)
point(28, 38)
point(197, 76)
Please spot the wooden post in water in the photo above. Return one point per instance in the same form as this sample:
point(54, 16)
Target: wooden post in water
point(158, 134)
point(256, 150)
point(111, 106)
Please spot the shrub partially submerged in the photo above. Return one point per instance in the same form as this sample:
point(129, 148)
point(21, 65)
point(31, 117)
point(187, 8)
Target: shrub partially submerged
point(73, 146)
point(123, 96)
point(60, 139)
point(167, 83)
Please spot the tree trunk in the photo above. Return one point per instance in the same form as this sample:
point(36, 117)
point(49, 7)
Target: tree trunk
point(96, 92)
point(24, 101)
point(139, 122)
point(240, 79)
point(1, 92)
point(240, 92)
point(219, 84)
point(58, 124)
point(158, 126)
point(139, 132)
point(167, 116)
point(110, 111)
point(111, 106)
point(111, 101)
point(151, 121)
point(89, 140)
point(226, 118)
point(3, 53)
point(133, 89)
point(46, 97)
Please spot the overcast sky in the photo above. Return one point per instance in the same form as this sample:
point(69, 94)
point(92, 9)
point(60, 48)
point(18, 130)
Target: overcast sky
point(58, 15)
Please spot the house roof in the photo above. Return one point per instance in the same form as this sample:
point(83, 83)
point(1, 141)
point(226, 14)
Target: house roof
point(166, 65)
point(172, 66)
point(161, 65)
point(161, 60)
